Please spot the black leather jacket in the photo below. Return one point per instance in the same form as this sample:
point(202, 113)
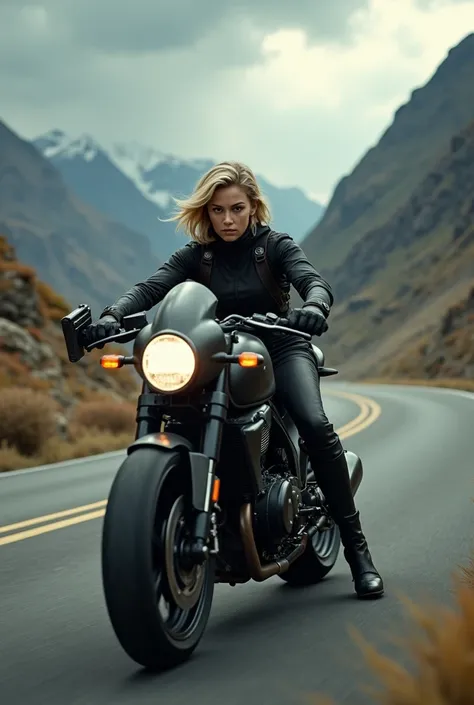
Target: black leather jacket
point(234, 279)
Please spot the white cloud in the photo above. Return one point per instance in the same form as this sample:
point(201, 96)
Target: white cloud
point(349, 93)
point(301, 111)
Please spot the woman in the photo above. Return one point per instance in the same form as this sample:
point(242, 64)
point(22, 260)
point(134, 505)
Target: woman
point(227, 220)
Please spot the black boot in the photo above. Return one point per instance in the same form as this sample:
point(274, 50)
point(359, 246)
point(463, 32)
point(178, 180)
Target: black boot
point(334, 481)
point(367, 580)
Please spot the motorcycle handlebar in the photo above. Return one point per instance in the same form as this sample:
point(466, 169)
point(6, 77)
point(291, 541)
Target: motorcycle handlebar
point(269, 321)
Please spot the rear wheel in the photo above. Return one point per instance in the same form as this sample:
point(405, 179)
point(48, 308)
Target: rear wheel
point(319, 557)
point(158, 606)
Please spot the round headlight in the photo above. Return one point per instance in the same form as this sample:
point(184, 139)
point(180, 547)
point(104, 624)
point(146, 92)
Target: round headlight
point(168, 363)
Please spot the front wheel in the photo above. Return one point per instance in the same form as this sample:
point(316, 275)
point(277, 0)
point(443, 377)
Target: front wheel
point(319, 557)
point(158, 607)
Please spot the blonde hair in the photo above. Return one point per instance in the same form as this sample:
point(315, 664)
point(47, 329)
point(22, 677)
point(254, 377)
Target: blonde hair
point(192, 213)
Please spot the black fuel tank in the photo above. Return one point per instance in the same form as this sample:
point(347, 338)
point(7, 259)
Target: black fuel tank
point(250, 386)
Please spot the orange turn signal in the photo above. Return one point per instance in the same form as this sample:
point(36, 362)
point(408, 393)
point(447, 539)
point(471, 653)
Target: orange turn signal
point(215, 489)
point(248, 359)
point(111, 362)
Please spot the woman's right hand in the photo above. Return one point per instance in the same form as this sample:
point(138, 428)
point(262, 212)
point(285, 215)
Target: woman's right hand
point(103, 328)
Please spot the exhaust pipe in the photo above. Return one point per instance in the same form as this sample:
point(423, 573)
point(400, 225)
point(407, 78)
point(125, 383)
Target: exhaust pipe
point(260, 572)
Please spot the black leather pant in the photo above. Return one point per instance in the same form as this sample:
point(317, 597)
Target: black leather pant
point(298, 387)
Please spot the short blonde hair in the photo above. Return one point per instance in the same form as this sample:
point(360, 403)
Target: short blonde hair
point(192, 213)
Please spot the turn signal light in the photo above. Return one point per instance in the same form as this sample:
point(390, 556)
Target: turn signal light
point(215, 489)
point(249, 359)
point(111, 362)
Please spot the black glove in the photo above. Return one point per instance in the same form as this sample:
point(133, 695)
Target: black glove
point(309, 319)
point(105, 326)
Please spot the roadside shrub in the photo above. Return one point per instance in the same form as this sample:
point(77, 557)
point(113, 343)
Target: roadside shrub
point(441, 652)
point(117, 417)
point(27, 419)
point(11, 459)
point(57, 450)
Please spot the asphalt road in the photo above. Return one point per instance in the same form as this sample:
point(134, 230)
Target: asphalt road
point(265, 643)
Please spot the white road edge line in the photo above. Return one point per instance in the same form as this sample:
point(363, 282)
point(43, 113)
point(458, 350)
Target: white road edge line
point(65, 463)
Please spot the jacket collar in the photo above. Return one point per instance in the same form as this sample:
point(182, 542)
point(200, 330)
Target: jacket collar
point(245, 241)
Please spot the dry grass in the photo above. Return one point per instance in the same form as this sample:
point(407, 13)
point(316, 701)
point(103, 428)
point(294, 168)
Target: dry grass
point(30, 435)
point(440, 649)
point(58, 450)
point(27, 420)
point(104, 416)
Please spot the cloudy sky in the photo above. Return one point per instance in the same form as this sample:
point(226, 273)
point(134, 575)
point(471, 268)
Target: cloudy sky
point(299, 89)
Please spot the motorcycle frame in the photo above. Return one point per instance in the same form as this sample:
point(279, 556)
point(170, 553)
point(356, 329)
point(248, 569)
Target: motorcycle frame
point(202, 465)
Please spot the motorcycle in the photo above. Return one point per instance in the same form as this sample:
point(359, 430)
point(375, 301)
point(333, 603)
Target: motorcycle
point(216, 487)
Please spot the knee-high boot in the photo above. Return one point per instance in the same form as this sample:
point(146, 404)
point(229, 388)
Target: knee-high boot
point(334, 481)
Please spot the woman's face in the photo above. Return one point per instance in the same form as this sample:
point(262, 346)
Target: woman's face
point(229, 211)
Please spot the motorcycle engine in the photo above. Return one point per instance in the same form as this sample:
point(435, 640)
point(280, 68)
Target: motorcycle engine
point(276, 510)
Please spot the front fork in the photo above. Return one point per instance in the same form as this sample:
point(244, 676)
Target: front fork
point(205, 522)
point(202, 465)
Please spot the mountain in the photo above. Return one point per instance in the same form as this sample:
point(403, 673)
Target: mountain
point(387, 174)
point(396, 241)
point(134, 185)
point(84, 255)
point(402, 278)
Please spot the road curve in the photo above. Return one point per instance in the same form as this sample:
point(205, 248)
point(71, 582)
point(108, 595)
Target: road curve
point(264, 643)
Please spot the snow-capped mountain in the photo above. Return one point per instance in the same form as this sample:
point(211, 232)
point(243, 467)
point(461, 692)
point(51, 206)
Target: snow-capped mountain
point(133, 184)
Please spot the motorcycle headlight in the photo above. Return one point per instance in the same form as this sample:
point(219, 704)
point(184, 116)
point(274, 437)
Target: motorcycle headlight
point(168, 363)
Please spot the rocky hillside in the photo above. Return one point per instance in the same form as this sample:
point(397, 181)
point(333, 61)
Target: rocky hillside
point(447, 352)
point(398, 282)
point(82, 254)
point(32, 349)
point(134, 185)
point(368, 198)
point(397, 239)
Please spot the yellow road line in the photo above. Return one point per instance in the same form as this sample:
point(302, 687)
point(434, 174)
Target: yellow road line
point(50, 517)
point(54, 526)
point(369, 413)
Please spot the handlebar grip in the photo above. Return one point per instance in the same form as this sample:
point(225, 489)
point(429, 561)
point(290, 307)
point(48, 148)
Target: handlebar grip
point(123, 337)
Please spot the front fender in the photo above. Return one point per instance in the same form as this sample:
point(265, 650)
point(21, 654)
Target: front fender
point(166, 441)
point(198, 463)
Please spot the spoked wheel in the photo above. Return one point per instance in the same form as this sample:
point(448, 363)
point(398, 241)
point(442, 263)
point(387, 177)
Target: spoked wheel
point(158, 602)
point(319, 557)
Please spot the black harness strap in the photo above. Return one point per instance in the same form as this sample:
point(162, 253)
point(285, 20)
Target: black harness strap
point(264, 271)
point(262, 266)
point(206, 268)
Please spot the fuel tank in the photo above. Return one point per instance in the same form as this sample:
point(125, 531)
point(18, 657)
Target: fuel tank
point(250, 386)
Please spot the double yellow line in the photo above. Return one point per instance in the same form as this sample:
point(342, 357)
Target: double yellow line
point(53, 523)
point(368, 414)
